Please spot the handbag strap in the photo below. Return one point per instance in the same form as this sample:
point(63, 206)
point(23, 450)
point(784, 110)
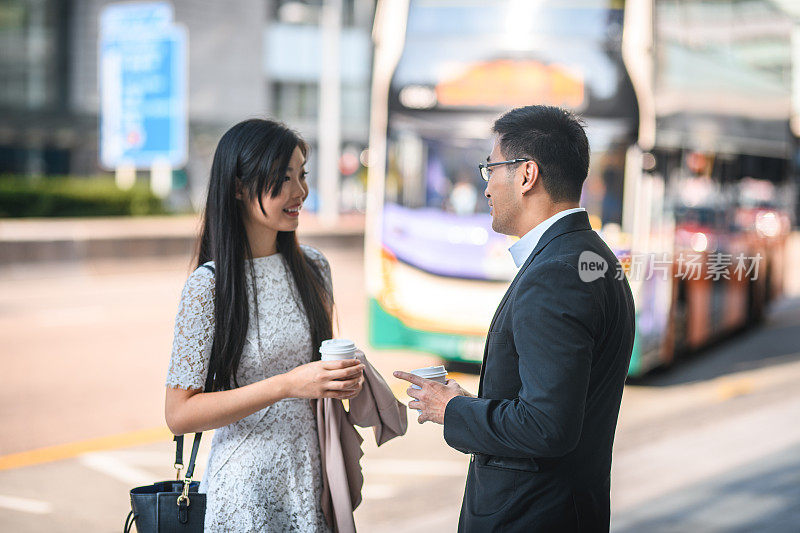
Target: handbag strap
point(195, 448)
point(196, 442)
point(129, 521)
point(178, 453)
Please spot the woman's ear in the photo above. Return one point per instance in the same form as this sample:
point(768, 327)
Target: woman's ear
point(239, 189)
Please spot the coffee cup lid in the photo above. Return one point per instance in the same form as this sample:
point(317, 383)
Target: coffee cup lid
point(337, 346)
point(430, 372)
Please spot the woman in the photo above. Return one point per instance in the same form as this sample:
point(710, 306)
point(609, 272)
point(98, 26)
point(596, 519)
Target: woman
point(254, 321)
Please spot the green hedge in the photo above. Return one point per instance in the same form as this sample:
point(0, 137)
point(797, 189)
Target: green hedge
point(74, 197)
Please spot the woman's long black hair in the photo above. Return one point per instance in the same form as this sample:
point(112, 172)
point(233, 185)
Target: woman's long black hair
point(256, 152)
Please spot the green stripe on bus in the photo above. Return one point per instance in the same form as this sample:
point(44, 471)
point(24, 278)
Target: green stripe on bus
point(386, 331)
point(635, 368)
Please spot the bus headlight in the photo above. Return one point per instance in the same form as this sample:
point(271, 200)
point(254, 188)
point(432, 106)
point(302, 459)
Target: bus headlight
point(768, 225)
point(699, 242)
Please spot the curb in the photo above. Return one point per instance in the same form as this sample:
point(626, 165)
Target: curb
point(24, 241)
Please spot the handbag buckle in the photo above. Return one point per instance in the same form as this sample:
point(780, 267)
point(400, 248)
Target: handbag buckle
point(184, 497)
point(178, 467)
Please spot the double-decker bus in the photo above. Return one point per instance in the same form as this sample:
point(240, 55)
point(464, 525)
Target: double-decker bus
point(690, 158)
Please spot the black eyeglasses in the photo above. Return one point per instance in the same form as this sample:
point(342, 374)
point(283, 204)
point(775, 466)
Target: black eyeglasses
point(484, 167)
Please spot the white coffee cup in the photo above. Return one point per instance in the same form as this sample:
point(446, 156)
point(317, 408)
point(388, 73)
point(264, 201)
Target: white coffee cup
point(337, 349)
point(435, 373)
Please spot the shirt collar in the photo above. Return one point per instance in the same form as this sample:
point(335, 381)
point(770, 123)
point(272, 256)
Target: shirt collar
point(521, 249)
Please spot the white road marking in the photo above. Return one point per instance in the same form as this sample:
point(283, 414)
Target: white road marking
point(416, 467)
point(649, 471)
point(120, 465)
point(144, 458)
point(443, 520)
point(378, 492)
point(25, 505)
point(70, 316)
point(112, 466)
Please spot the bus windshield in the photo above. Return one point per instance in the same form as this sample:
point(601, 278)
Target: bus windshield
point(498, 19)
point(501, 54)
point(439, 172)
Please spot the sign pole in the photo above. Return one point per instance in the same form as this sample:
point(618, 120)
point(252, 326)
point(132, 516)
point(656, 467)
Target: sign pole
point(125, 176)
point(161, 178)
point(329, 132)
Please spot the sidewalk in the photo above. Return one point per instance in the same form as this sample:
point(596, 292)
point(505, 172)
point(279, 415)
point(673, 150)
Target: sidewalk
point(77, 239)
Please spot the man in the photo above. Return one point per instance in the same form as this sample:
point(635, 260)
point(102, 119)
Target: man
point(541, 429)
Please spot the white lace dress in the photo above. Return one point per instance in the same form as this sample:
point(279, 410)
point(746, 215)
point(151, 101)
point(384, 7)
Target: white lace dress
point(264, 471)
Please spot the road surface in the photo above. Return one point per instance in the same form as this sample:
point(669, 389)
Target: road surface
point(711, 445)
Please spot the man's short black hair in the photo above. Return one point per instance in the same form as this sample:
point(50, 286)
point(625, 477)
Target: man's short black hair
point(555, 139)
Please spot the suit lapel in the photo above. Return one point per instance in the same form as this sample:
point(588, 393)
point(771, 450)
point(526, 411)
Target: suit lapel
point(497, 314)
point(570, 223)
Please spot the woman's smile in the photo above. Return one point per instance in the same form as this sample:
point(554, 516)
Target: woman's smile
point(293, 211)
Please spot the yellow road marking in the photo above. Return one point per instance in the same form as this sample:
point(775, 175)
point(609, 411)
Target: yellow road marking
point(136, 438)
point(731, 388)
point(461, 377)
point(73, 449)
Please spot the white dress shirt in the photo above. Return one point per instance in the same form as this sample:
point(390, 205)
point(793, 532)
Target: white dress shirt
point(521, 249)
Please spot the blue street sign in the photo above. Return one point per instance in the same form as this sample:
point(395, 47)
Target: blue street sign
point(135, 18)
point(143, 88)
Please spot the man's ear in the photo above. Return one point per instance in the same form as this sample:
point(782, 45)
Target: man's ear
point(530, 176)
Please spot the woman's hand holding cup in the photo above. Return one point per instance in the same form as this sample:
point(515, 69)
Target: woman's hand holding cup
point(341, 379)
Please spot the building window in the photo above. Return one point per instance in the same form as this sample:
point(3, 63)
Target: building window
point(308, 12)
point(295, 101)
point(292, 101)
point(355, 104)
point(30, 31)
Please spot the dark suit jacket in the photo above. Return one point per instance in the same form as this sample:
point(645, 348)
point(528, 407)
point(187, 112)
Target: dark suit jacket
point(555, 362)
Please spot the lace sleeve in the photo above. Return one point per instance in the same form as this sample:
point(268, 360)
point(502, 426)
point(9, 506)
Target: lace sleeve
point(194, 332)
point(321, 261)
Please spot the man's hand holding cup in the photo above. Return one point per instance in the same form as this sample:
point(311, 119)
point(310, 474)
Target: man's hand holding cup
point(431, 394)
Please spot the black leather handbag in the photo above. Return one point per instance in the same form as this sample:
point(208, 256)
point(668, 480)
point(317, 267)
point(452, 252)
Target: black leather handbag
point(170, 506)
